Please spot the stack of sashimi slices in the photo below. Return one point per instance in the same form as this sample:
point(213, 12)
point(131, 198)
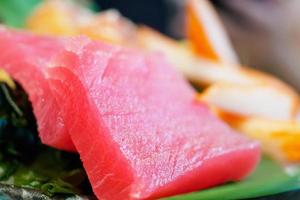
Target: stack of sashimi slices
point(135, 121)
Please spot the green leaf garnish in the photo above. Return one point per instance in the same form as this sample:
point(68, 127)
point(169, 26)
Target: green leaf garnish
point(15, 12)
point(269, 178)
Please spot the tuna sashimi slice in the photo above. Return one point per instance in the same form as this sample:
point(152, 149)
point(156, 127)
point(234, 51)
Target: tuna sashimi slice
point(134, 120)
point(26, 57)
point(138, 128)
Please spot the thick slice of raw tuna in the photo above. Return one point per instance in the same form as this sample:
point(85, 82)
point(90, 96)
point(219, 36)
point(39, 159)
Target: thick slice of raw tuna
point(26, 58)
point(138, 128)
point(134, 121)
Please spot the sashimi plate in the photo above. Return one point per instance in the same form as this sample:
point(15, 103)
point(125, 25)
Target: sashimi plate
point(269, 181)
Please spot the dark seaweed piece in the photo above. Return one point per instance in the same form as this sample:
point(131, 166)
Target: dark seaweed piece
point(10, 192)
point(25, 162)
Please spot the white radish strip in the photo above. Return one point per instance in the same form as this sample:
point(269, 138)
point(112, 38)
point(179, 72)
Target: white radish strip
point(214, 31)
point(251, 100)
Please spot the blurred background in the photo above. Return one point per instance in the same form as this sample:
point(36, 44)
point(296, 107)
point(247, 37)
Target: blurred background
point(264, 33)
